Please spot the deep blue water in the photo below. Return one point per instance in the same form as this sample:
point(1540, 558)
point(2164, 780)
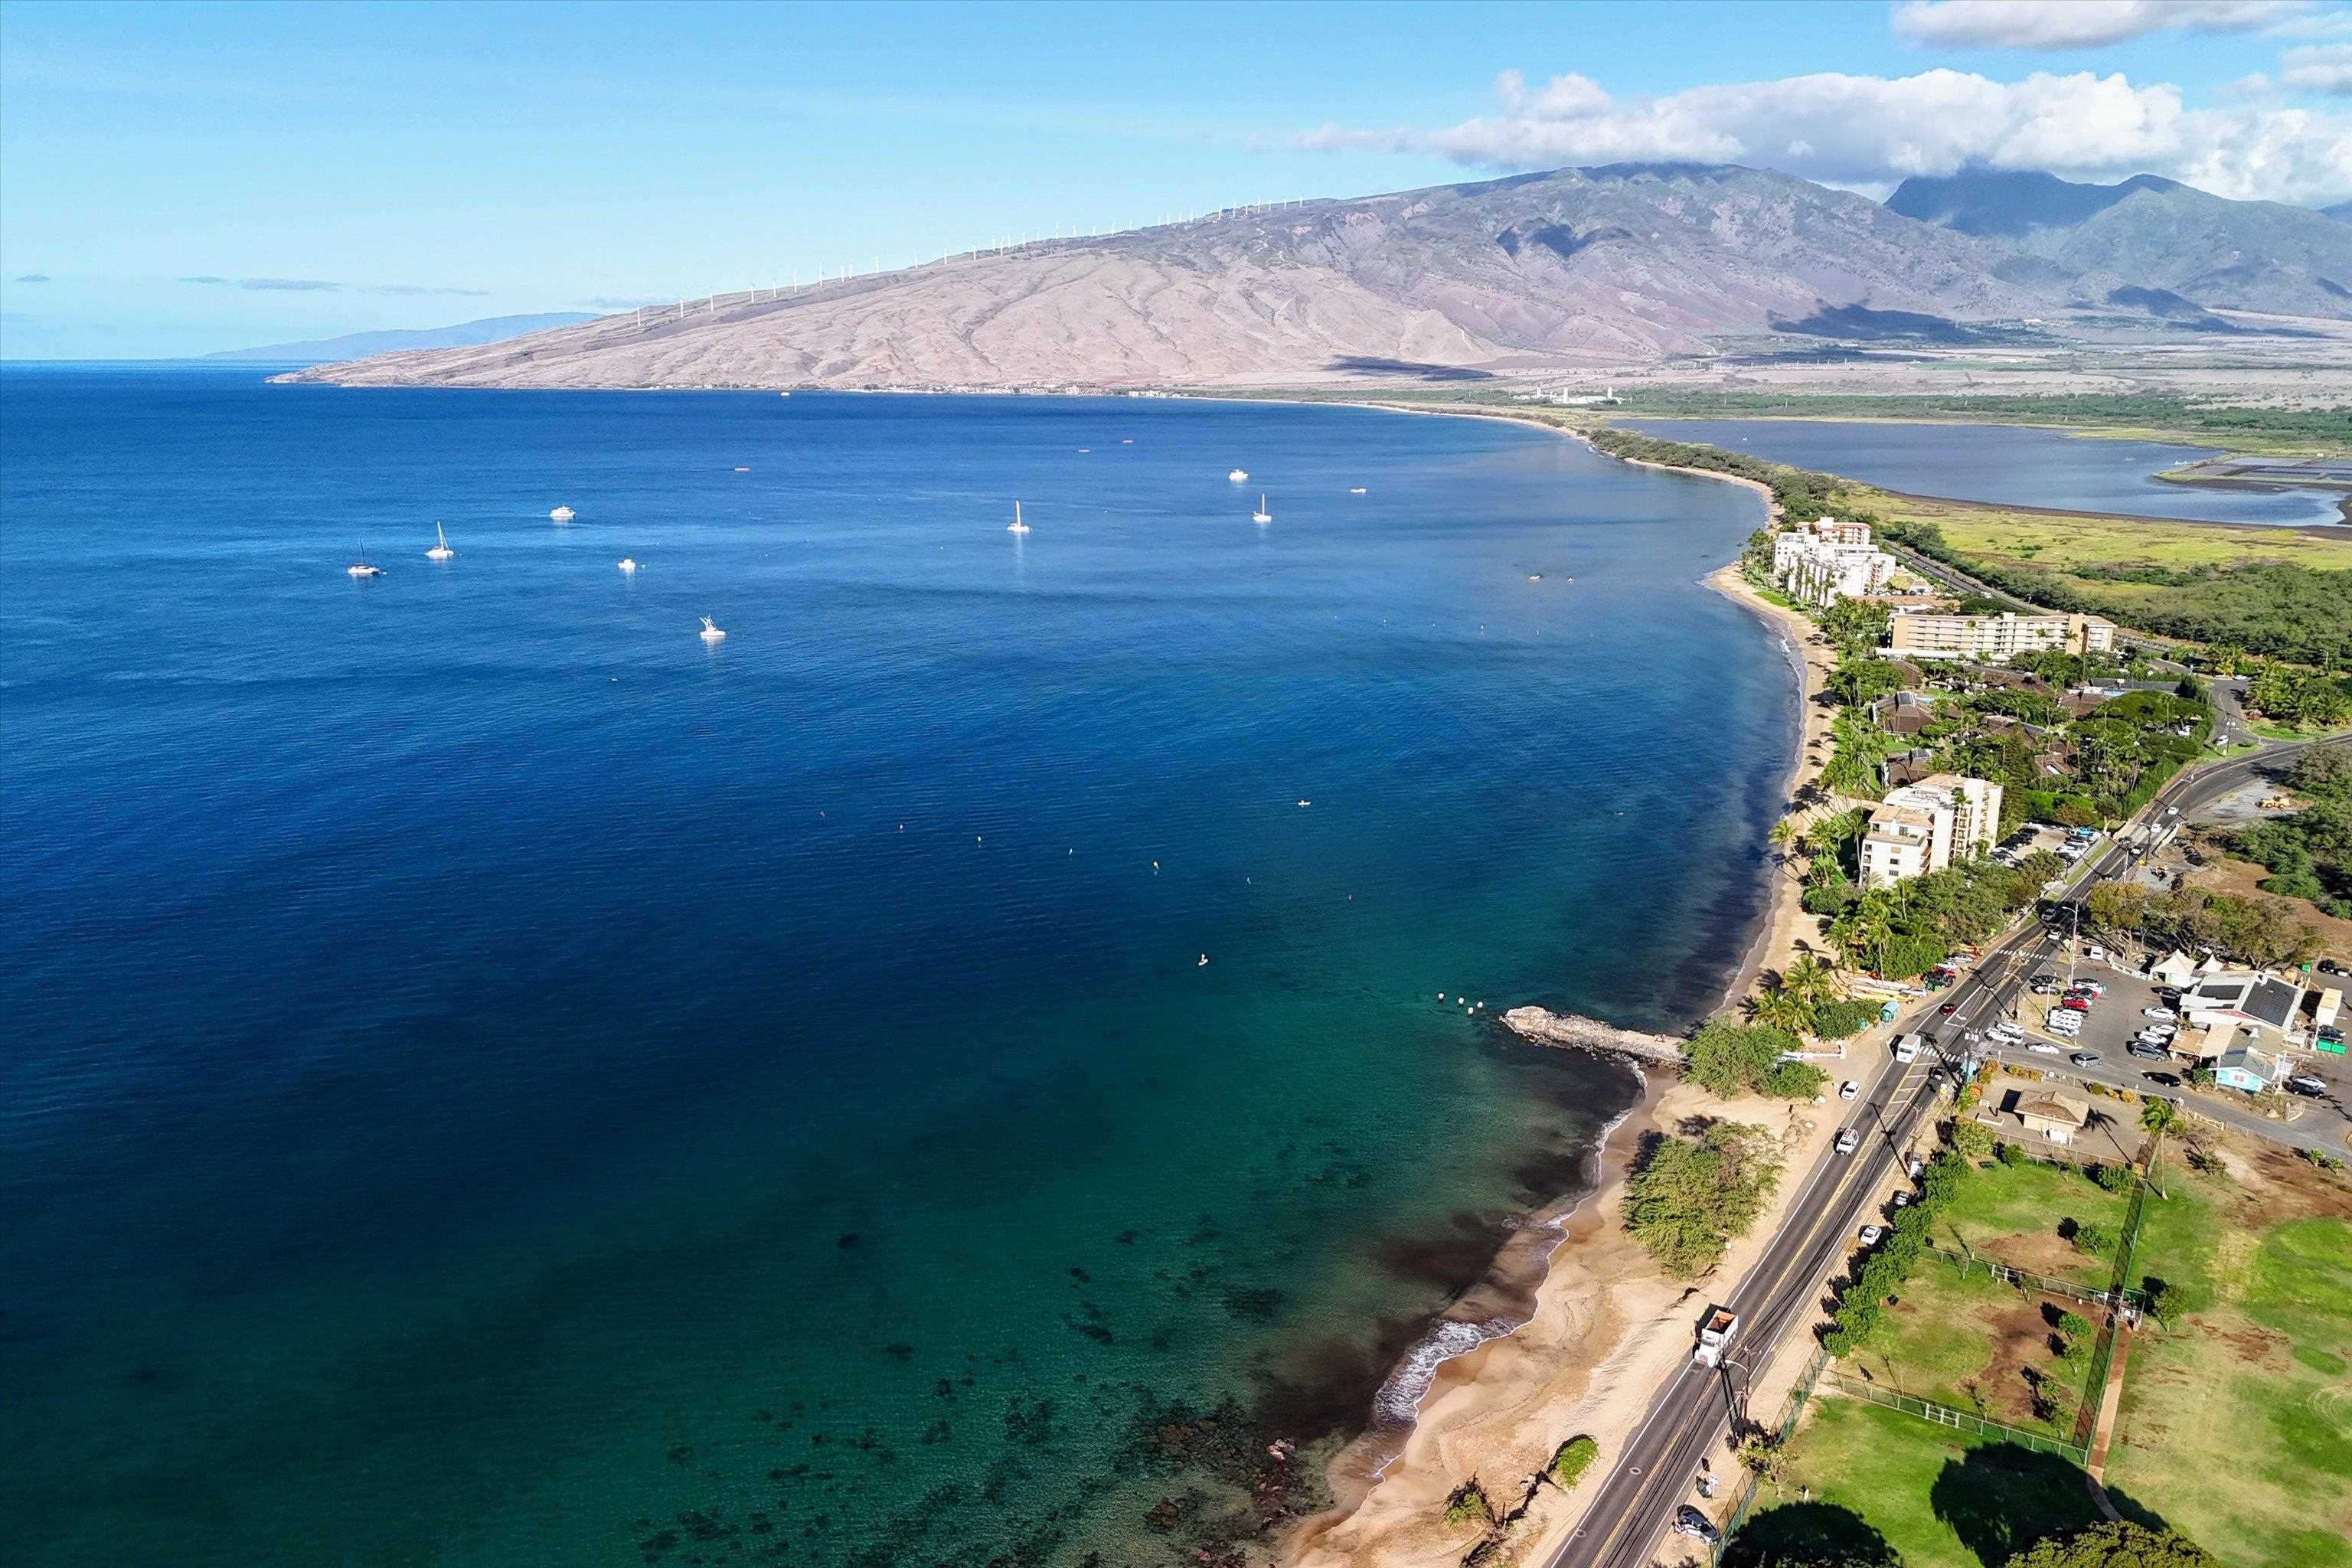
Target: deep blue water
point(2009, 465)
point(490, 1079)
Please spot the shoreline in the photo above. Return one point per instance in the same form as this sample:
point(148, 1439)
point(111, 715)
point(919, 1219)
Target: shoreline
point(1603, 1323)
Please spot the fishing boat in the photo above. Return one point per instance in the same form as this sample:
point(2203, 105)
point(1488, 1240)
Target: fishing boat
point(710, 633)
point(1238, 475)
point(1016, 525)
point(628, 566)
point(1261, 514)
point(440, 551)
point(562, 514)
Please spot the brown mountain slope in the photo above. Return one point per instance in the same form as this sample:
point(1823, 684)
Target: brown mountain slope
point(1581, 265)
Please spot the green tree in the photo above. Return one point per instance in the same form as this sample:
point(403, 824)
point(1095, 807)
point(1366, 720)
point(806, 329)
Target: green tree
point(1692, 1197)
point(2118, 1544)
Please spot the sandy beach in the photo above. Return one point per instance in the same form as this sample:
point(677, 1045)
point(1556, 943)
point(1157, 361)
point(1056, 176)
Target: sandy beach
point(1608, 1325)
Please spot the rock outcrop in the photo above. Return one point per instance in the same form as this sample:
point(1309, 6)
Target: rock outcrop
point(1546, 1028)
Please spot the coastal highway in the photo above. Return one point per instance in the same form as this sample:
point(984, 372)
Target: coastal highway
point(1688, 1420)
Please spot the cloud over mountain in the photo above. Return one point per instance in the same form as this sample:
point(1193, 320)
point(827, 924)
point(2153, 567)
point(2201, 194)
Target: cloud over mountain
point(1872, 132)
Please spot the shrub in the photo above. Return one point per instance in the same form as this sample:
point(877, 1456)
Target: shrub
point(1727, 1058)
point(2094, 1240)
point(1838, 1020)
point(1575, 1457)
point(2113, 1178)
point(1973, 1139)
point(2011, 1154)
point(1468, 1505)
point(1691, 1196)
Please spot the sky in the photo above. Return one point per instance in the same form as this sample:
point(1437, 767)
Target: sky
point(178, 179)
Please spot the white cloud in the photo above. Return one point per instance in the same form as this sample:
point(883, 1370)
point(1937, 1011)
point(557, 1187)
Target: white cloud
point(2318, 67)
point(1867, 131)
point(2080, 23)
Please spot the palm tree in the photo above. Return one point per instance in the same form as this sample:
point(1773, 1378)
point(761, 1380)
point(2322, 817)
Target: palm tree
point(1812, 979)
point(2159, 1117)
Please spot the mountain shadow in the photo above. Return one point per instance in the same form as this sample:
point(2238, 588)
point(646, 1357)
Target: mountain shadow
point(1860, 322)
point(1362, 365)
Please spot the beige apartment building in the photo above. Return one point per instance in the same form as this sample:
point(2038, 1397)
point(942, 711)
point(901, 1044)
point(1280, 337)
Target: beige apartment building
point(1994, 638)
point(1926, 826)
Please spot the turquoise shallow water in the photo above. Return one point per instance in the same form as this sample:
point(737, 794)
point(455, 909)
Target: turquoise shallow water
point(490, 1079)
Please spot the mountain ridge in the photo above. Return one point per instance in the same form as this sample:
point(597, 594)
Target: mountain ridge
point(355, 345)
point(1520, 275)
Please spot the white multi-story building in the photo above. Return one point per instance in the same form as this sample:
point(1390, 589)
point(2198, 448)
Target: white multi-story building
point(1827, 559)
point(1997, 639)
point(1824, 561)
point(1926, 826)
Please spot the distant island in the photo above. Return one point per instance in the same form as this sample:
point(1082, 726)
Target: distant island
point(360, 345)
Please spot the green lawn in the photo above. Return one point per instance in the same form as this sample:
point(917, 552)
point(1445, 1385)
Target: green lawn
point(2240, 1417)
point(1880, 1481)
point(2012, 1212)
point(1975, 1344)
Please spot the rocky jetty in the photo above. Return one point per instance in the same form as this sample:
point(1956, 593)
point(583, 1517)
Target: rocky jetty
point(1546, 1028)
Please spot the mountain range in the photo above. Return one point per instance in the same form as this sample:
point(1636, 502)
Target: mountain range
point(1534, 272)
point(356, 345)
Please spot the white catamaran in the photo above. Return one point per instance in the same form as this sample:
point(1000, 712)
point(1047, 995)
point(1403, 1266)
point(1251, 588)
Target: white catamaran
point(440, 551)
point(1016, 525)
point(1261, 514)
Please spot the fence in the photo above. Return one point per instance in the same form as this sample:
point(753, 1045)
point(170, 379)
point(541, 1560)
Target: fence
point(1748, 1489)
point(1961, 1420)
point(1968, 1262)
point(2094, 1387)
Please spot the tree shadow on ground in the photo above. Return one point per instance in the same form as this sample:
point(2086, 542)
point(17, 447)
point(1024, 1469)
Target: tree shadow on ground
point(1818, 1534)
point(2004, 1497)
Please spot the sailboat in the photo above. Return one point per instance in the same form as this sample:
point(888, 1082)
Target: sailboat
point(1016, 525)
point(361, 568)
point(1261, 514)
point(440, 551)
point(710, 633)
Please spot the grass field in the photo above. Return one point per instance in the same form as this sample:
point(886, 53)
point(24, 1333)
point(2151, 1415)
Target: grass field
point(2064, 543)
point(2012, 1214)
point(2241, 1416)
point(1881, 1481)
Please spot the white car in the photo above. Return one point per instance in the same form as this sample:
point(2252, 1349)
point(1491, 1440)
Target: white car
point(1848, 1089)
point(1870, 1235)
point(2095, 953)
point(2045, 1048)
point(2164, 1014)
point(1849, 1141)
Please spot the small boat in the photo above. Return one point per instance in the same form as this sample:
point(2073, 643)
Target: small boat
point(1238, 475)
point(562, 514)
point(1261, 514)
point(1083, 450)
point(1016, 525)
point(361, 569)
point(742, 471)
point(1203, 964)
point(1307, 803)
point(1126, 440)
point(1535, 576)
point(709, 632)
point(1357, 491)
point(628, 565)
point(784, 394)
point(440, 551)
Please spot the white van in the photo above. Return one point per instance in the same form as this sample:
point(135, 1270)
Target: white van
point(1907, 1049)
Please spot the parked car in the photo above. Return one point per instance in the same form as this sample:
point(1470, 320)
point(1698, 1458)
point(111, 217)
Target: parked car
point(2090, 988)
point(2168, 1080)
point(1689, 1521)
point(2075, 1003)
point(2310, 1088)
point(2084, 1058)
point(1903, 1200)
point(2045, 1048)
point(1848, 1089)
point(2166, 1013)
point(1913, 1168)
point(2147, 1052)
point(1870, 1235)
point(2095, 953)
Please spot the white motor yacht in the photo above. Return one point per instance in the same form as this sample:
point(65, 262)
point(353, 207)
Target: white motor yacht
point(1238, 475)
point(628, 565)
point(562, 514)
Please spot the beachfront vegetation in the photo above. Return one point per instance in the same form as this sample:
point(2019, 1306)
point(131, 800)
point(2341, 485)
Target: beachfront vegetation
point(1728, 1058)
point(1692, 1197)
point(2275, 591)
point(2301, 699)
point(2309, 853)
point(1467, 1504)
point(1568, 1464)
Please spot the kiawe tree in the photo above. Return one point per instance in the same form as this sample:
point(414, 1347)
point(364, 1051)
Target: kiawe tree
point(2117, 1544)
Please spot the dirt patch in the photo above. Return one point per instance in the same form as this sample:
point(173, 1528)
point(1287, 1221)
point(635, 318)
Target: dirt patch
point(2294, 1187)
point(2258, 1347)
point(2045, 1252)
point(2244, 879)
point(2021, 1340)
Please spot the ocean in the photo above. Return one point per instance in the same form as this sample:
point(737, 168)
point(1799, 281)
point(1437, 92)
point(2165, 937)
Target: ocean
point(491, 1078)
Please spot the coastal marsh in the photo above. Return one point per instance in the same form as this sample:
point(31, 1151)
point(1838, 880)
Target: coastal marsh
point(2071, 543)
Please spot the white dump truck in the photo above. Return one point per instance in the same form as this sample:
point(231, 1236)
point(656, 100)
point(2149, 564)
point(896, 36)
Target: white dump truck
point(1714, 1336)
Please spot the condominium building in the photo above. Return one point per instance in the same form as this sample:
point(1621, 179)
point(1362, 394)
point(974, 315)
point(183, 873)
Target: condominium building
point(1997, 639)
point(1926, 826)
point(1824, 561)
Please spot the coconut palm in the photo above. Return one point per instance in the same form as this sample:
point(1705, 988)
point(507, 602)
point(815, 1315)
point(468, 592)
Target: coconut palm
point(1812, 979)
